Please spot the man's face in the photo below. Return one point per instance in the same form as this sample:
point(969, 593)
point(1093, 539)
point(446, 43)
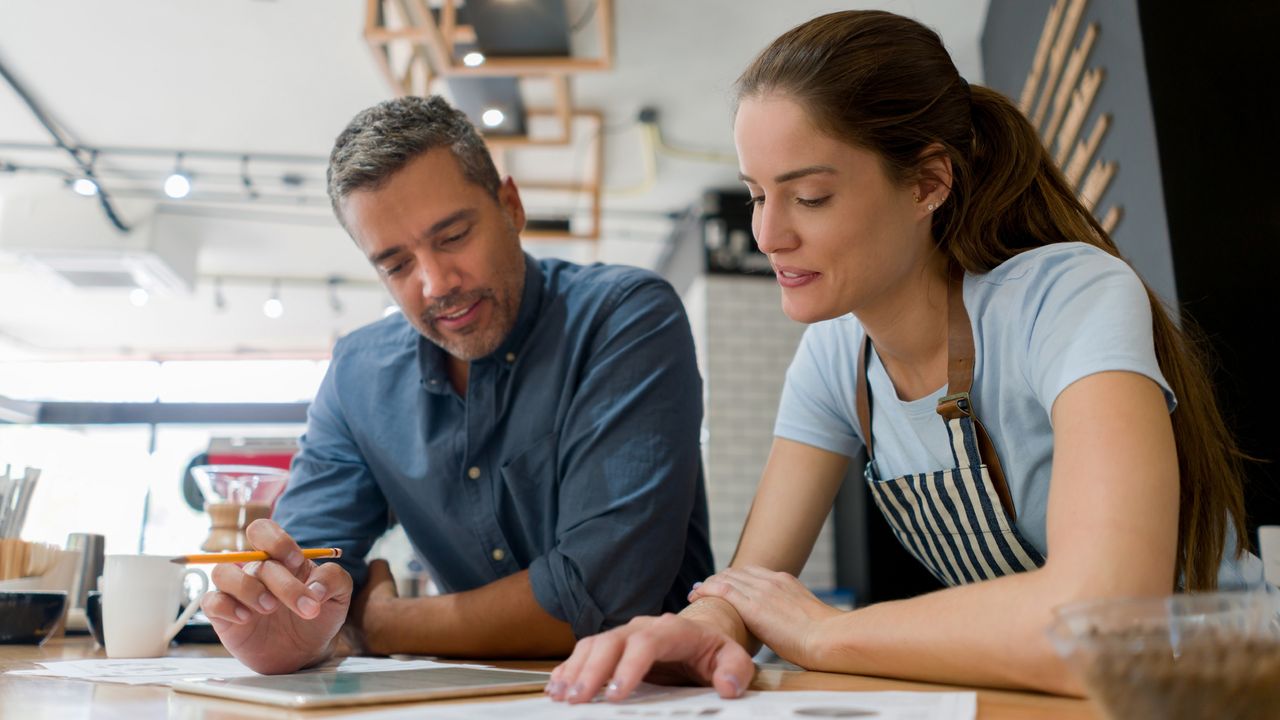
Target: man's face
point(446, 250)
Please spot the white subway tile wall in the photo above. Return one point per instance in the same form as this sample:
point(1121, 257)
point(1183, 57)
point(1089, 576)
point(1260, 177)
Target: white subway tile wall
point(746, 344)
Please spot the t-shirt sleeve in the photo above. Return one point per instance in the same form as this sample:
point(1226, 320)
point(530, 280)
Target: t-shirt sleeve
point(1090, 313)
point(817, 406)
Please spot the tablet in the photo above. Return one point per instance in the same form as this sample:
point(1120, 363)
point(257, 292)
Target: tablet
point(311, 690)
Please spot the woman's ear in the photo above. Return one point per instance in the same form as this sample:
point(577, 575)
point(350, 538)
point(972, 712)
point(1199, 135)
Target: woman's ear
point(933, 183)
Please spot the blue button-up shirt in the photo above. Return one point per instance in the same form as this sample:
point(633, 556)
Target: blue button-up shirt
point(575, 452)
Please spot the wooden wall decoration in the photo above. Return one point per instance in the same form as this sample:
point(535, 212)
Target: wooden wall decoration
point(1057, 97)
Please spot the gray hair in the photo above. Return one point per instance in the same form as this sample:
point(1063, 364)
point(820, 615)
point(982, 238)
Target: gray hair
point(382, 139)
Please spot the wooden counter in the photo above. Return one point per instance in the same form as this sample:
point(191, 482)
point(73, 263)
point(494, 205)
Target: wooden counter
point(42, 698)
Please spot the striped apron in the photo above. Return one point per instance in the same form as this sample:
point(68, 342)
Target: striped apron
point(958, 522)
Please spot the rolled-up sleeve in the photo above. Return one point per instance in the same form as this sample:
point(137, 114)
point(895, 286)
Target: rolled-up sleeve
point(629, 467)
point(332, 499)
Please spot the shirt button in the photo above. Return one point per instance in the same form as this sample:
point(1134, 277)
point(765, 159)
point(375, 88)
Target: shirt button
point(511, 357)
point(498, 554)
point(474, 473)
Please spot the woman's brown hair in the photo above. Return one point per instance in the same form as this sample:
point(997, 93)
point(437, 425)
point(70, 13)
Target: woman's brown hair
point(886, 83)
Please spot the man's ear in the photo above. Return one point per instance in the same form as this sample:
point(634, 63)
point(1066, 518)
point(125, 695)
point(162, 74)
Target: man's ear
point(933, 185)
point(512, 206)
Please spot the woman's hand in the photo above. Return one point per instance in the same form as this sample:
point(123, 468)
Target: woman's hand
point(776, 608)
point(668, 649)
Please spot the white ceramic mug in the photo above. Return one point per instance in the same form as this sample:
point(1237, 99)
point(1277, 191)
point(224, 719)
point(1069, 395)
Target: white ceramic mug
point(1269, 549)
point(140, 597)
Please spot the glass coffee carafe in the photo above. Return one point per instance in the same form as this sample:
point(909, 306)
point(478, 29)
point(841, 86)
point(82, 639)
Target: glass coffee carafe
point(234, 496)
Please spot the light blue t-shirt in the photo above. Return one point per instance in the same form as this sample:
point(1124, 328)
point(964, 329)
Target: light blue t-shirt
point(1042, 320)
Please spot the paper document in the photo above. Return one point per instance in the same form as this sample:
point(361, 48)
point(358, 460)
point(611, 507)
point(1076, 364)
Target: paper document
point(163, 671)
point(653, 702)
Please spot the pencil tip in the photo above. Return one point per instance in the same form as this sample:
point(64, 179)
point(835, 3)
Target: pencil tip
point(178, 560)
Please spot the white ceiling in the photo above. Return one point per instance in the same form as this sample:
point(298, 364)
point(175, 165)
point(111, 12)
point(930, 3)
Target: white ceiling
point(283, 77)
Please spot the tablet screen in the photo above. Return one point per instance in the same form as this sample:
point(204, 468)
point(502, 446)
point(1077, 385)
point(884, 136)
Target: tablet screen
point(354, 688)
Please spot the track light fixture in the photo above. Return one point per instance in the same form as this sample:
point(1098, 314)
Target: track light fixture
point(335, 303)
point(178, 184)
point(273, 307)
point(85, 187)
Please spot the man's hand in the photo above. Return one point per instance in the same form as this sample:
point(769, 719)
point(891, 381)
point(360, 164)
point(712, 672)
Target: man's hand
point(282, 614)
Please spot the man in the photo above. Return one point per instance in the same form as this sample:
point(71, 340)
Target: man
point(533, 425)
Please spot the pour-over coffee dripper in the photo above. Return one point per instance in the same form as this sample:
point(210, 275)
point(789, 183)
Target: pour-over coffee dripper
point(234, 496)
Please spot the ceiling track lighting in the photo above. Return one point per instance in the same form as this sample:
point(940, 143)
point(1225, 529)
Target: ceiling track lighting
point(178, 184)
point(335, 303)
point(246, 181)
point(273, 307)
point(84, 186)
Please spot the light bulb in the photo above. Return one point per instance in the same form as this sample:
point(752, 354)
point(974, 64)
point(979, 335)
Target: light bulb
point(139, 297)
point(473, 59)
point(177, 186)
point(492, 117)
point(273, 308)
point(85, 187)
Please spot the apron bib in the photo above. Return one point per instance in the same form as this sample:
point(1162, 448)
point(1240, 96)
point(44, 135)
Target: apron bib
point(959, 521)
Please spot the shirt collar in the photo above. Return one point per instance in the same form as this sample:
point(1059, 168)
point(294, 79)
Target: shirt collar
point(431, 357)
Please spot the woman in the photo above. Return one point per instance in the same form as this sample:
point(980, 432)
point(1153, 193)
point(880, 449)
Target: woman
point(948, 273)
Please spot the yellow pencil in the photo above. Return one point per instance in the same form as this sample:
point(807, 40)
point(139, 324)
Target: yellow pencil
point(251, 556)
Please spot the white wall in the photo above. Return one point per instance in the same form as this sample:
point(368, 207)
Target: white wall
point(746, 344)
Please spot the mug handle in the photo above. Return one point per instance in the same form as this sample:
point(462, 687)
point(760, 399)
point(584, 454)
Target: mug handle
point(192, 606)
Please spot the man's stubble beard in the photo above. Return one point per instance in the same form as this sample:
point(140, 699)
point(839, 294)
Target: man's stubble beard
point(478, 341)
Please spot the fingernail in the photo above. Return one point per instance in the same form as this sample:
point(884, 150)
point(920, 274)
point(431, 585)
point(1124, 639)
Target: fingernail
point(294, 560)
point(251, 568)
point(307, 606)
point(267, 602)
point(737, 687)
point(554, 687)
point(242, 614)
point(613, 690)
point(317, 589)
point(575, 691)
point(697, 585)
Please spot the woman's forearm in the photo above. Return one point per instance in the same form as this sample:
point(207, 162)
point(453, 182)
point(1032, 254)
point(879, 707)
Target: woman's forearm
point(989, 634)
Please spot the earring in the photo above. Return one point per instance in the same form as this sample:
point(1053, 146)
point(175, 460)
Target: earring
point(916, 198)
point(932, 207)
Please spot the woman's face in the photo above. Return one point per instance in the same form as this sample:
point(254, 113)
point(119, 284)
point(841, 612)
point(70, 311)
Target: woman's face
point(840, 235)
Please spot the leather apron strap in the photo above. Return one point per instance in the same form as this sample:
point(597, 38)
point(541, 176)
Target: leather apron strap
point(957, 404)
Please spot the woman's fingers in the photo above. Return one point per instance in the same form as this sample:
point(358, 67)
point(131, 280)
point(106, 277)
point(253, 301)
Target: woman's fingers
point(597, 669)
point(626, 655)
point(566, 673)
point(732, 670)
point(638, 657)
